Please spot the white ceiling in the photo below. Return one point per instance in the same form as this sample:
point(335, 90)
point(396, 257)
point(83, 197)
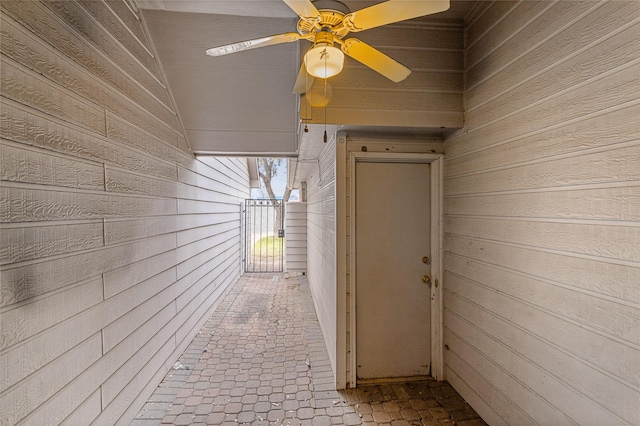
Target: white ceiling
point(239, 104)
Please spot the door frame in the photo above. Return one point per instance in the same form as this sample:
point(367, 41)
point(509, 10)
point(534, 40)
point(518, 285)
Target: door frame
point(437, 300)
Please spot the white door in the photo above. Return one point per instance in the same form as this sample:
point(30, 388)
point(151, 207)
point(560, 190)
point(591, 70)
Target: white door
point(393, 311)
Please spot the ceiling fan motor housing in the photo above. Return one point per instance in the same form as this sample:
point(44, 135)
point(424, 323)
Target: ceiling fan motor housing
point(332, 14)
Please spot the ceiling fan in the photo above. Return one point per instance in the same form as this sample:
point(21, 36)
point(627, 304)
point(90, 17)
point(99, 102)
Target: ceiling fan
point(327, 22)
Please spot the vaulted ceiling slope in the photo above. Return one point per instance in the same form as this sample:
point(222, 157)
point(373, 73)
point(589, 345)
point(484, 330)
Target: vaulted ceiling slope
point(242, 104)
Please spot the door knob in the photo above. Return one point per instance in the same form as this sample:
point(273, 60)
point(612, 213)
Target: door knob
point(426, 279)
point(425, 259)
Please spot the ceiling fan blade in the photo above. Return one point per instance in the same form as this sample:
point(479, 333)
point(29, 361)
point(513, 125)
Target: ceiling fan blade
point(392, 11)
point(303, 82)
point(303, 8)
point(375, 59)
point(253, 44)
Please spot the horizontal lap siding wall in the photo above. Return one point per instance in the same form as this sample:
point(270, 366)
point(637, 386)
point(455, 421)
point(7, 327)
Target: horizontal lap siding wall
point(321, 245)
point(295, 237)
point(542, 300)
point(115, 243)
point(432, 96)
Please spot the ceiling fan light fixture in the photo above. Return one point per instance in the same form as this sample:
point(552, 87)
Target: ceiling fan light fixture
point(323, 60)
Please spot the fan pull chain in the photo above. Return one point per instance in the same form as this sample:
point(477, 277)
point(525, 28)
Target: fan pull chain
point(325, 101)
point(306, 103)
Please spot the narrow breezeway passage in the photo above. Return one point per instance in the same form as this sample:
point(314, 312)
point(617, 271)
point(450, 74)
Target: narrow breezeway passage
point(260, 360)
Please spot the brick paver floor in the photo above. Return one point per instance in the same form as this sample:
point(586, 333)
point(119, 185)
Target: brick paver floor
point(261, 360)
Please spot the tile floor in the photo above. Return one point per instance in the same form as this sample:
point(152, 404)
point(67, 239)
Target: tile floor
point(260, 360)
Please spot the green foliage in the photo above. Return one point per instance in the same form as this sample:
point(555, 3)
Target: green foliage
point(269, 246)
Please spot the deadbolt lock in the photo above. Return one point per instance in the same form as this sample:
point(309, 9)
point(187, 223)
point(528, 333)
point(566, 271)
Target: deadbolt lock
point(426, 279)
point(425, 259)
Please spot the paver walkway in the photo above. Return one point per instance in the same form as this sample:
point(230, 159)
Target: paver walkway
point(261, 360)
